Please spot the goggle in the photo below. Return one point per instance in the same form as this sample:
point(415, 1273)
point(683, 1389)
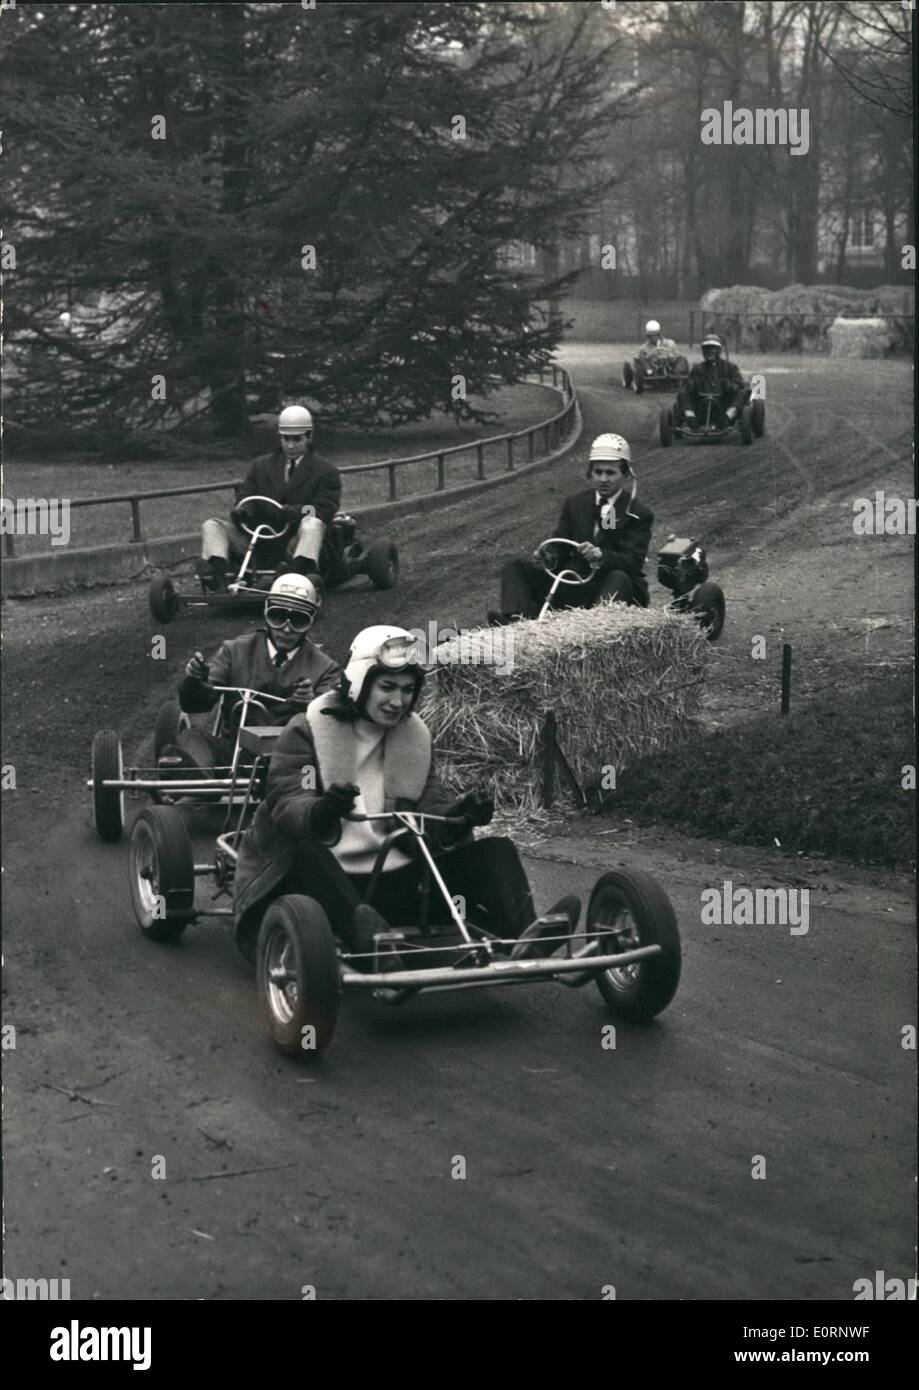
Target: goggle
point(398, 651)
point(296, 619)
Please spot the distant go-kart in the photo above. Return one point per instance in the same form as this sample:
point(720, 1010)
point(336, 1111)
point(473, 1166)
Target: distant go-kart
point(654, 372)
point(629, 942)
point(228, 786)
point(712, 424)
point(341, 558)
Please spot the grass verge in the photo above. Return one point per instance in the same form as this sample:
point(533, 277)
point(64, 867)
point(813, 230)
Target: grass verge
point(825, 779)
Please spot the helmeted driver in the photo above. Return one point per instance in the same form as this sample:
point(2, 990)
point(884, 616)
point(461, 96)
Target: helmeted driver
point(655, 344)
point(308, 488)
point(362, 748)
point(612, 531)
point(277, 659)
point(714, 374)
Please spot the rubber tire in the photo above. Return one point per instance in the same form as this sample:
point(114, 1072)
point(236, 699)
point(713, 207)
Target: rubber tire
point(652, 911)
point(638, 384)
point(175, 871)
point(163, 599)
point(758, 408)
point(628, 374)
point(709, 598)
point(746, 425)
point(666, 427)
point(169, 723)
point(315, 962)
point(382, 564)
point(108, 804)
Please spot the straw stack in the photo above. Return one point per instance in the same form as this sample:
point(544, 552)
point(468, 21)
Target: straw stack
point(622, 682)
point(797, 317)
point(859, 338)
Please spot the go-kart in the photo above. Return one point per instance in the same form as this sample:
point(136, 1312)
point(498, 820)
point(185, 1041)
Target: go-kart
point(629, 942)
point(713, 424)
point(657, 370)
point(341, 558)
point(228, 785)
point(682, 568)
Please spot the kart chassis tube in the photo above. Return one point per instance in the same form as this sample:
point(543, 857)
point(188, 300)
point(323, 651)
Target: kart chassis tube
point(497, 973)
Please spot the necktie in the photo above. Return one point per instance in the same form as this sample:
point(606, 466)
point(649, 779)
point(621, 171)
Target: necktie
point(279, 658)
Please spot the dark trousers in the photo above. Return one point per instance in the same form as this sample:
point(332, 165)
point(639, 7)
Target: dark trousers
point(524, 587)
point(486, 873)
point(689, 399)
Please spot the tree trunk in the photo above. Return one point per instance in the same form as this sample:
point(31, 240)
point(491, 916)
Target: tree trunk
point(228, 362)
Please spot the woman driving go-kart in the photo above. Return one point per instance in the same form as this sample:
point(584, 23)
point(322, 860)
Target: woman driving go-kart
point(362, 751)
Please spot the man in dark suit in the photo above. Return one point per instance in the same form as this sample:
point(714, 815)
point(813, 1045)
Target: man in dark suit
point(612, 532)
point(307, 487)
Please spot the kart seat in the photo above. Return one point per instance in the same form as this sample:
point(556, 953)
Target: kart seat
point(260, 738)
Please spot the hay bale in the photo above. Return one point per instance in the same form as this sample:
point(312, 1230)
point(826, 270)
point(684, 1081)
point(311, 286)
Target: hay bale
point(860, 338)
point(622, 681)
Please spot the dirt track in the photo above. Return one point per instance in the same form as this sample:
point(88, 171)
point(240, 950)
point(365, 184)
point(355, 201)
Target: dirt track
point(585, 1167)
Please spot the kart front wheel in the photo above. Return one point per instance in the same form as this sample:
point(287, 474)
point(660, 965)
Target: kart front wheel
point(635, 910)
point(758, 408)
point(666, 427)
point(299, 982)
point(108, 802)
point(164, 601)
point(627, 374)
point(707, 607)
point(746, 425)
point(162, 873)
point(382, 561)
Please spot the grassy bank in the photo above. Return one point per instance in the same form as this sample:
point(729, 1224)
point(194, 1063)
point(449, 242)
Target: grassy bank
point(825, 779)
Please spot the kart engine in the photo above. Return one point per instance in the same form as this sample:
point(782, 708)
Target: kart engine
point(681, 565)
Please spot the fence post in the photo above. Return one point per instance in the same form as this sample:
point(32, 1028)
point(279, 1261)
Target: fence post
point(510, 453)
point(9, 549)
point(786, 677)
point(480, 460)
point(554, 374)
point(440, 473)
point(391, 470)
point(530, 443)
point(135, 519)
point(548, 758)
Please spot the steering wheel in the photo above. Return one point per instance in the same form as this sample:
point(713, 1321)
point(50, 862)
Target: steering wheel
point(251, 703)
point(549, 559)
point(262, 531)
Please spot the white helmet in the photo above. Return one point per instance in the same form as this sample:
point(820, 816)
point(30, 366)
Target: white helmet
point(610, 448)
point(295, 419)
point(652, 326)
point(296, 592)
point(377, 649)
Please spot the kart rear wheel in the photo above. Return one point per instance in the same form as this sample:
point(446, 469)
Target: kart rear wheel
point(108, 802)
point(162, 873)
point(627, 374)
point(746, 425)
point(666, 427)
point(759, 417)
point(170, 721)
point(382, 562)
point(708, 607)
point(639, 913)
point(164, 601)
point(299, 982)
